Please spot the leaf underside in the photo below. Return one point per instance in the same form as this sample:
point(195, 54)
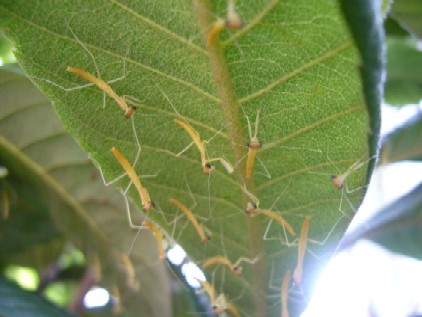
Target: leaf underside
point(293, 61)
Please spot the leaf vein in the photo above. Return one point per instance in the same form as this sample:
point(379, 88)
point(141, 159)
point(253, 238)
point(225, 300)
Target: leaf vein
point(160, 28)
point(347, 44)
point(312, 126)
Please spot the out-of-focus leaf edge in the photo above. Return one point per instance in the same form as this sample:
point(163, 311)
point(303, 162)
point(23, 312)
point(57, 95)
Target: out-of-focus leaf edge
point(365, 21)
point(403, 143)
point(94, 241)
point(396, 227)
point(15, 302)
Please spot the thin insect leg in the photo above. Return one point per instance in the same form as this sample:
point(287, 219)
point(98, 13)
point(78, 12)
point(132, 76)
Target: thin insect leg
point(214, 136)
point(86, 49)
point(267, 229)
point(249, 128)
point(285, 235)
point(185, 149)
point(222, 280)
point(254, 199)
point(183, 228)
point(241, 159)
point(209, 200)
point(350, 203)
point(115, 80)
point(312, 241)
point(112, 181)
point(123, 76)
point(272, 278)
point(199, 228)
point(92, 58)
point(195, 203)
point(256, 126)
point(169, 101)
point(278, 198)
point(286, 241)
point(96, 66)
point(173, 230)
point(163, 215)
point(267, 173)
point(270, 213)
point(133, 241)
point(132, 226)
point(60, 86)
point(135, 136)
point(248, 260)
point(238, 297)
point(346, 198)
point(340, 209)
point(155, 231)
point(351, 191)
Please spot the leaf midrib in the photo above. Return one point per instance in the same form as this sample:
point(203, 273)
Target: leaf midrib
point(231, 110)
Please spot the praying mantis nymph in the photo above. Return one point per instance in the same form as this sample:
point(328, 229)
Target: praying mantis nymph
point(147, 204)
point(234, 267)
point(188, 213)
point(253, 210)
point(338, 180)
point(101, 84)
point(201, 145)
point(158, 234)
point(253, 145)
point(219, 304)
point(232, 21)
point(130, 271)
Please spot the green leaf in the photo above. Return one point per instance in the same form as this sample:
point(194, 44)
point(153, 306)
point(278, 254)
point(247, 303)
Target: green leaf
point(6, 55)
point(404, 66)
point(16, 302)
point(49, 173)
point(27, 224)
point(293, 61)
point(409, 14)
point(365, 22)
point(394, 29)
point(396, 227)
point(403, 143)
